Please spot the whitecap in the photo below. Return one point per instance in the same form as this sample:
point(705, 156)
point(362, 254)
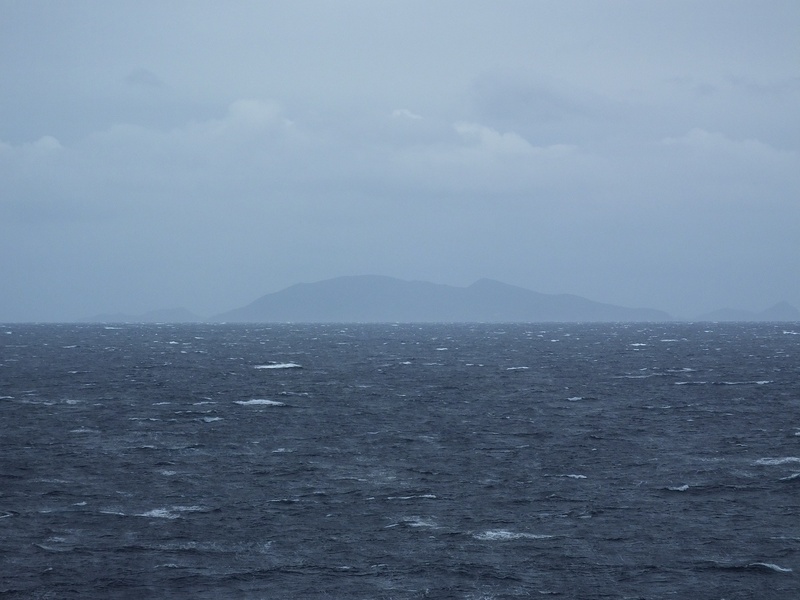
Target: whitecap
point(777, 461)
point(503, 535)
point(169, 513)
point(259, 401)
point(419, 522)
point(211, 419)
point(575, 398)
point(414, 522)
point(517, 368)
point(574, 476)
point(426, 496)
point(678, 488)
point(279, 366)
point(770, 566)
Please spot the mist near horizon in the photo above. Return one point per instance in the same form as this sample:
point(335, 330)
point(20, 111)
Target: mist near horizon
point(201, 156)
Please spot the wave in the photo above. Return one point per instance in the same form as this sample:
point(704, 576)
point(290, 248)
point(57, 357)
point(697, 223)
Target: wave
point(777, 461)
point(504, 535)
point(425, 496)
point(414, 522)
point(173, 512)
point(769, 567)
point(678, 488)
point(766, 567)
point(260, 402)
point(759, 382)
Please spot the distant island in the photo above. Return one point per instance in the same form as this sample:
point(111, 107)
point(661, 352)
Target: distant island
point(379, 299)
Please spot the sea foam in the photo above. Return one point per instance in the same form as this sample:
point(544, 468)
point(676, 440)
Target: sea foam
point(777, 461)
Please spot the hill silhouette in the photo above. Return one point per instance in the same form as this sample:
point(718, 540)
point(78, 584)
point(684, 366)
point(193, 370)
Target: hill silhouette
point(376, 299)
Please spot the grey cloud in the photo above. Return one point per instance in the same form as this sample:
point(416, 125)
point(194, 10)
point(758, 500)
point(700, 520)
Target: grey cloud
point(620, 154)
point(144, 78)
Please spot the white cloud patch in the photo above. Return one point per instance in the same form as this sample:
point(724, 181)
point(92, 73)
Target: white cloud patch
point(44, 146)
point(717, 142)
point(492, 140)
point(404, 113)
point(255, 114)
point(509, 143)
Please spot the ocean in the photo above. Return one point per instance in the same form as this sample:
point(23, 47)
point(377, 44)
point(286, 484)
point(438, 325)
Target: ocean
point(400, 461)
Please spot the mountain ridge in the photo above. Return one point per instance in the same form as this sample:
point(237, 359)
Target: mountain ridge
point(378, 298)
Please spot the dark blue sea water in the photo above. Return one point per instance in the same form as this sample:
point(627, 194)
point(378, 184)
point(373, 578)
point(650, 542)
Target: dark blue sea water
point(410, 461)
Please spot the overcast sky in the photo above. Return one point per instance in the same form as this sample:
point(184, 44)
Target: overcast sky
point(202, 154)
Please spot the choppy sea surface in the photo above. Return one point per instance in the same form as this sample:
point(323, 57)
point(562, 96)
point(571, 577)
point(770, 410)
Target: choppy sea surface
point(407, 461)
